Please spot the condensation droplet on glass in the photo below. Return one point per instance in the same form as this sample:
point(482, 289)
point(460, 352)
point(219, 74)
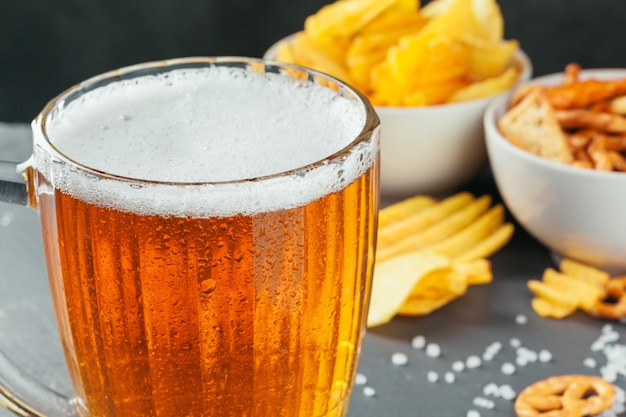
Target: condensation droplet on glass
point(208, 285)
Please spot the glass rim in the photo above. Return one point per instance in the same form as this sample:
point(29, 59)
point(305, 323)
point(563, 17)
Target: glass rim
point(370, 124)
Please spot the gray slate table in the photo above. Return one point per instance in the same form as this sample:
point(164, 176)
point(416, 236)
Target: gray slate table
point(485, 315)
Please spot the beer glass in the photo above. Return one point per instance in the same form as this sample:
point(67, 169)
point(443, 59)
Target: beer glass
point(208, 227)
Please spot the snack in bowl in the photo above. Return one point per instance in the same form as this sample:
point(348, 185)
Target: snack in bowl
point(429, 251)
point(576, 213)
point(400, 55)
point(580, 121)
point(422, 68)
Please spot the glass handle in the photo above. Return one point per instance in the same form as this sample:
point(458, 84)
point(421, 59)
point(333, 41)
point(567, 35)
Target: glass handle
point(19, 392)
point(13, 187)
point(25, 396)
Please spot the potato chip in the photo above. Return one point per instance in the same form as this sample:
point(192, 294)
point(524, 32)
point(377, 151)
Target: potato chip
point(423, 219)
point(404, 209)
point(488, 245)
point(343, 19)
point(477, 271)
point(490, 60)
point(546, 308)
point(418, 239)
point(438, 231)
point(576, 285)
point(306, 51)
point(586, 273)
point(466, 239)
point(551, 294)
point(585, 294)
point(435, 290)
point(486, 88)
point(394, 281)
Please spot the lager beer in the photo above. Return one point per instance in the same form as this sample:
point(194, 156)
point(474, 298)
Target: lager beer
point(209, 234)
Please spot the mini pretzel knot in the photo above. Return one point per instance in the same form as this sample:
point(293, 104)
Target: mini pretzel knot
point(565, 396)
point(613, 306)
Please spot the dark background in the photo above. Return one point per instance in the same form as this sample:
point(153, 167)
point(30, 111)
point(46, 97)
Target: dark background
point(49, 45)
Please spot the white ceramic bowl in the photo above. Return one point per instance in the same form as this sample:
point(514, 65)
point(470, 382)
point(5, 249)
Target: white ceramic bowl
point(575, 212)
point(433, 149)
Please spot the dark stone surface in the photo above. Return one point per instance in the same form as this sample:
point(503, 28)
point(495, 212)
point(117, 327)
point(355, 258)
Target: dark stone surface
point(47, 46)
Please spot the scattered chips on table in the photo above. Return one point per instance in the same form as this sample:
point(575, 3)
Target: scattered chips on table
point(581, 122)
point(399, 54)
point(575, 286)
point(429, 252)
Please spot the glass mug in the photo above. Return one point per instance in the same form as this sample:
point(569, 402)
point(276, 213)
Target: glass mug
point(208, 228)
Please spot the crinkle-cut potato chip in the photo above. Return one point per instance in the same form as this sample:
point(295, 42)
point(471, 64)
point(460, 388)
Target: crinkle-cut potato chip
point(561, 293)
point(430, 251)
point(586, 295)
point(583, 272)
point(438, 231)
point(394, 281)
point(489, 245)
point(477, 271)
point(548, 309)
point(434, 291)
point(442, 286)
point(421, 220)
point(404, 209)
point(400, 55)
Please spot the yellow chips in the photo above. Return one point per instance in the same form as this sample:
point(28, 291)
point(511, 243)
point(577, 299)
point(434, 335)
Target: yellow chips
point(430, 251)
point(559, 294)
point(400, 55)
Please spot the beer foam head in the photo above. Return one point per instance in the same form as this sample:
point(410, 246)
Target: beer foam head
point(211, 125)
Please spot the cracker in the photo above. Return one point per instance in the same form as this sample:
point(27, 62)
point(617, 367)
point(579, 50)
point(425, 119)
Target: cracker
point(532, 125)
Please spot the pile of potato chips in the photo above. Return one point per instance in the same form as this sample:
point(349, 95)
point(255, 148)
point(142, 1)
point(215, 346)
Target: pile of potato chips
point(399, 54)
point(561, 293)
point(429, 252)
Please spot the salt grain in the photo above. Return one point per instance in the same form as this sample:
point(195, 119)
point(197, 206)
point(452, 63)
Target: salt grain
point(545, 356)
point(473, 413)
point(507, 368)
point(507, 392)
point(369, 391)
point(360, 379)
point(432, 376)
point(515, 342)
point(433, 350)
point(418, 342)
point(491, 389)
point(449, 377)
point(521, 319)
point(484, 403)
point(589, 362)
point(473, 362)
point(399, 359)
point(458, 366)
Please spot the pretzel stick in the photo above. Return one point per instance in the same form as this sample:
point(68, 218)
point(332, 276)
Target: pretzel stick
point(579, 118)
point(585, 93)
